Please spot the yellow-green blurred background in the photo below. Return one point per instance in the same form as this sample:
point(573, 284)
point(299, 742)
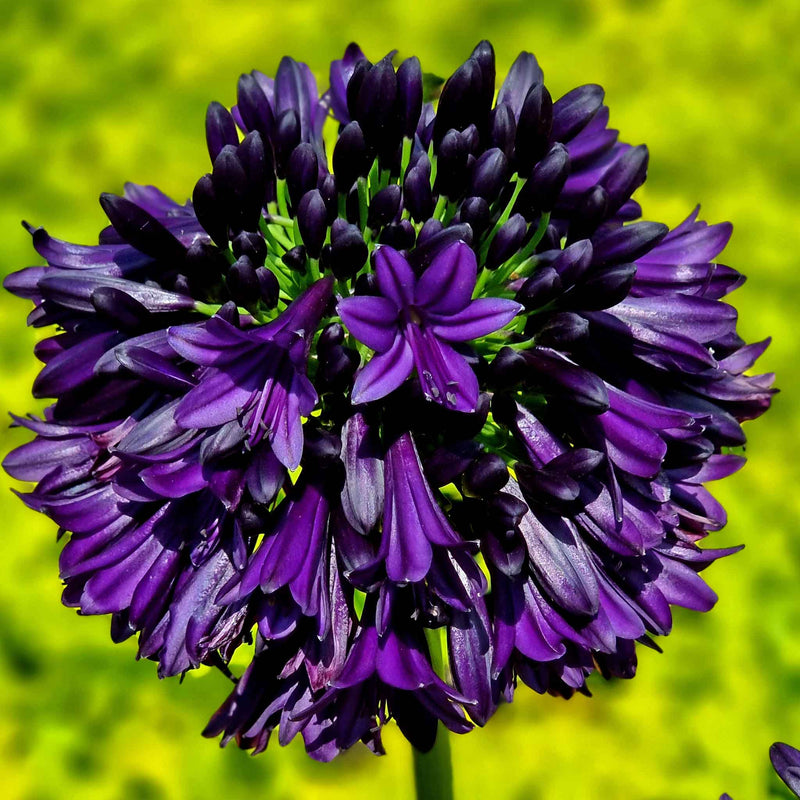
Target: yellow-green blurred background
point(96, 93)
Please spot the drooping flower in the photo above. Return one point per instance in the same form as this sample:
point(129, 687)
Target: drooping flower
point(436, 389)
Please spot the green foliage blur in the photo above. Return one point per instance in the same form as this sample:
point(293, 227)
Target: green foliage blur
point(96, 93)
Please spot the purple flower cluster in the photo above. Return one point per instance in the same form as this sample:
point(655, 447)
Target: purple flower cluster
point(422, 420)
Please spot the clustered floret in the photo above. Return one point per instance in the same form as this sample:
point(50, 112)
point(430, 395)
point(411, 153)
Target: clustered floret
point(425, 420)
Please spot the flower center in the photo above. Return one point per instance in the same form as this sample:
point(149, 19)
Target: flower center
point(414, 316)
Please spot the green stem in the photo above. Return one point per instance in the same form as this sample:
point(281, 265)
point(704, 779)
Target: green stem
point(433, 771)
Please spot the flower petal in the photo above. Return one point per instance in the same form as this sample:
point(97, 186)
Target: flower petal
point(479, 318)
point(445, 376)
point(384, 372)
point(396, 279)
point(372, 320)
point(447, 285)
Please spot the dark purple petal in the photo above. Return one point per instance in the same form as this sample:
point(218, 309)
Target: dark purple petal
point(395, 277)
point(372, 320)
point(446, 286)
point(479, 318)
point(362, 495)
point(384, 373)
point(445, 375)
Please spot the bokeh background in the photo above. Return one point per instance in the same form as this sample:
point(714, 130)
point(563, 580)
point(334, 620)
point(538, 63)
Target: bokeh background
point(96, 93)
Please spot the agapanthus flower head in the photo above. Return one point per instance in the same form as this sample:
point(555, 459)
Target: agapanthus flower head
point(424, 416)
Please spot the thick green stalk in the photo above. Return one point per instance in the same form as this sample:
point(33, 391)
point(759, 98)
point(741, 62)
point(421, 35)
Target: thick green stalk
point(433, 771)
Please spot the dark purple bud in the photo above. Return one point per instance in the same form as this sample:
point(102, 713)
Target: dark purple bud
point(489, 174)
point(417, 192)
point(460, 102)
point(302, 172)
point(320, 447)
point(507, 369)
point(366, 284)
point(354, 85)
point(209, 210)
point(351, 158)
point(268, 286)
point(576, 463)
point(312, 218)
point(551, 239)
point(541, 288)
point(422, 255)
point(338, 367)
point(573, 261)
point(252, 156)
point(451, 176)
point(250, 244)
point(625, 176)
point(340, 73)
point(505, 551)
point(230, 185)
point(471, 138)
point(409, 95)
point(254, 107)
point(627, 243)
point(572, 112)
point(507, 241)
point(205, 267)
point(524, 74)
point(286, 138)
point(560, 330)
point(400, 235)
point(475, 212)
point(505, 512)
point(349, 251)
point(429, 229)
point(295, 258)
point(243, 283)
point(483, 54)
point(503, 129)
point(547, 180)
point(552, 490)
point(140, 229)
point(449, 462)
point(555, 375)
point(533, 128)
point(327, 188)
point(590, 212)
point(504, 406)
point(124, 311)
point(486, 475)
point(332, 336)
point(220, 129)
point(603, 288)
point(375, 105)
point(229, 312)
point(384, 205)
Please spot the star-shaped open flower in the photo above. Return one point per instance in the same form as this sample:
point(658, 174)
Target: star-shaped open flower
point(410, 324)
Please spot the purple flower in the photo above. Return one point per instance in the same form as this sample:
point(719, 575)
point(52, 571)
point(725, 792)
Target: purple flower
point(453, 394)
point(255, 376)
point(411, 322)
